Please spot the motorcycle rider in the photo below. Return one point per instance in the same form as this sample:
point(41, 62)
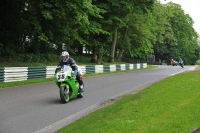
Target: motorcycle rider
point(66, 60)
point(173, 62)
point(180, 61)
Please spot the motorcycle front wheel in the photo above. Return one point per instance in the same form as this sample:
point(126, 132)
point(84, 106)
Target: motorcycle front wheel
point(64, 94)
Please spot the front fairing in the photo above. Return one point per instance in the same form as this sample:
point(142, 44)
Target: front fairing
point(64, 77)
point(63, 74)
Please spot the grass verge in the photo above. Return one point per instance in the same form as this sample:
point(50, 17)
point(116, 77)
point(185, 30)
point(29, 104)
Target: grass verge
point(169, 106)
point(25, 82)
point(41, 80)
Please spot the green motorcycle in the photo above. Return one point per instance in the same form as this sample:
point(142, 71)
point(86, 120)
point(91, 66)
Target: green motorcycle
point(67, 83)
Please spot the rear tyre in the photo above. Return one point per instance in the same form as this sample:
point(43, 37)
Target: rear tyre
point(64, 94)
point(80, 95)
point(182, 65)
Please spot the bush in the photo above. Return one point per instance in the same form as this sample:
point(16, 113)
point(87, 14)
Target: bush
point(15, 58)
point(28, 58)
point(81, 59)
point(51, 57)
point(198, 62)
point(44, 58)
point(36, 58)
point(41, 58)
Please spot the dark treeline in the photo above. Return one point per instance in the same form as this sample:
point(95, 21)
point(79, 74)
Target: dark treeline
point(109, 29)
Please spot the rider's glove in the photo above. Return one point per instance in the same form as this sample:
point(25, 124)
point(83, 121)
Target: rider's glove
point(57, 68)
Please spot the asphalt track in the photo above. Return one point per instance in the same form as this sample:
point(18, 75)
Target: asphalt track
point(37, 108)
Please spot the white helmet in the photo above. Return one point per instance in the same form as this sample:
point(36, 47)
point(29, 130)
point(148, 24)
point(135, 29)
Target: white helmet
point(64, 56)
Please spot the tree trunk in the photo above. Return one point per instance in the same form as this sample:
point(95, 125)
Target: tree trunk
point(80, 50)
point(59, 50)
point(36, 46)
point(120, 55)
point(122, 45)
point(113, 45)
point(99, 60)
point(94, 58)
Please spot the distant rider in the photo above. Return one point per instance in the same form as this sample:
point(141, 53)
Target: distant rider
point(66, 60)
point(173, 62)
point(180, 61)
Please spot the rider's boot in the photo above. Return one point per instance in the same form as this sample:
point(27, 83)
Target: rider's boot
point(81, 88)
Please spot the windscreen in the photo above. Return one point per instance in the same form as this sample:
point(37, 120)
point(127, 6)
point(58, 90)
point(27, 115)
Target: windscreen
point(66, 68)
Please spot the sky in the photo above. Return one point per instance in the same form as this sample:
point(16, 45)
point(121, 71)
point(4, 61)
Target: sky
point(191, 7)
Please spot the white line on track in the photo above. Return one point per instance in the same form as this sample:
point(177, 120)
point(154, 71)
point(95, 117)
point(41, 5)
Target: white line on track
point(179, 72)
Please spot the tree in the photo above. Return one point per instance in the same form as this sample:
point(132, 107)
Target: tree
point(182, 26)
point(136, 30)
point(11, 26)
point(166, 42)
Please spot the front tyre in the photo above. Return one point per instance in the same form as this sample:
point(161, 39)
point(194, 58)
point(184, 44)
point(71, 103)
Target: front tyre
point(64, 94)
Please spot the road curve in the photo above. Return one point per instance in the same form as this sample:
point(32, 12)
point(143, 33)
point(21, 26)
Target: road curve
point(37, 108)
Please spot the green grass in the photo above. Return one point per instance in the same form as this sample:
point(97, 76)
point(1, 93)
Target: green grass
point(41, 80)
point(26, 82)
point(169, 106)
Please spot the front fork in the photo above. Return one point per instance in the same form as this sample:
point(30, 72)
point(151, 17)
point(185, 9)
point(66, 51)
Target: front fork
point(67, 92)
point(60, 84)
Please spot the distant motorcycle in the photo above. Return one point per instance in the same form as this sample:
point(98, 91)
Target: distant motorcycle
point(67, 83)
point(181, 64)
point(174, 63)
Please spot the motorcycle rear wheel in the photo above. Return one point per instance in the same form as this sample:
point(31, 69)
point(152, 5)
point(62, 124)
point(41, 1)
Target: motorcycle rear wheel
point(80, 95)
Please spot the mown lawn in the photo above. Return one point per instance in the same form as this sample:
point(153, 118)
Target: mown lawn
point(169, 106)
